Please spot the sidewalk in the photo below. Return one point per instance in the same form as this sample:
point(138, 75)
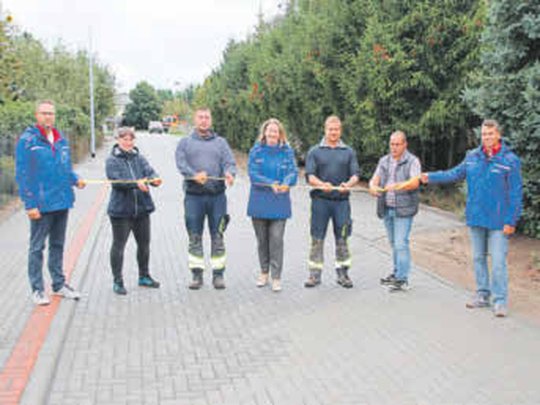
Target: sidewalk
point(245, 345)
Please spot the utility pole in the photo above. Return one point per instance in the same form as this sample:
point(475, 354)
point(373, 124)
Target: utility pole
point(91, 82)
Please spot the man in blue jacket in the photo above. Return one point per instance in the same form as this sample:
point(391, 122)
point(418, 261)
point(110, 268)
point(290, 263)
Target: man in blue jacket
point(493, 208)
point(331, 169)
point(207, 164)
point(46, 179)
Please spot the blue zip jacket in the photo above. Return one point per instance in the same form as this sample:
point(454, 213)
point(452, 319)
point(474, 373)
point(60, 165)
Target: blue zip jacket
point(44, 172)
point(493, 187)
point(127, 200)
point(269, 165)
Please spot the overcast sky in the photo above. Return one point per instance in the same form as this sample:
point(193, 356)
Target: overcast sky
point(161, 41)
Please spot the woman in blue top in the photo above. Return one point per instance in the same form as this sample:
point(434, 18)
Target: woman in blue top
point(272, 171)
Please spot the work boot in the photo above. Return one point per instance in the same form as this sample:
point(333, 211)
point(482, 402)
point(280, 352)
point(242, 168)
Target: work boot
point(343, 278)
point(218, 280)
point(197, 281)
point(314, 279)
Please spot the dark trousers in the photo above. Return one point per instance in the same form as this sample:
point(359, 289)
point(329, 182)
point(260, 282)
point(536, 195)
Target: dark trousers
point(322, 211)
point(121, 228)
point(51, 225)
point(269, 233)
point(196, 209)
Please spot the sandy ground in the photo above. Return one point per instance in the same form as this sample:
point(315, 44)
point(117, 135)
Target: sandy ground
point(448, 254)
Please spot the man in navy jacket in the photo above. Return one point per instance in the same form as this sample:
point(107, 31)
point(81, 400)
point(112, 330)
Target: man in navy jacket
point(45, 179)
point(493, 208)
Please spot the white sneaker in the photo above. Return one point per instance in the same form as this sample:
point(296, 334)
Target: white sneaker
point(68, 292)
point(276, 285)
point(40, 298)
point(262, 280)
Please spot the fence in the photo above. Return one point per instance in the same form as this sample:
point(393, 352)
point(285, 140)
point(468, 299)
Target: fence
point(8, 188)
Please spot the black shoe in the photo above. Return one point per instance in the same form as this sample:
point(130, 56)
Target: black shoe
point(119, 289)
point(218, 281)
point(398, 285)
point(389, 279)
point(197, 281)
point(147, 281)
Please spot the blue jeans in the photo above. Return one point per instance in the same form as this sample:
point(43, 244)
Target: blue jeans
point(398, 230)
point(52, 225)
point(495, 243)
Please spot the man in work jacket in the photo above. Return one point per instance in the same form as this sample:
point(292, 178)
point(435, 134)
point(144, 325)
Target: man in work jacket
point(207, 164)
point(46, 179)
point(395, 184)
point(332, 169)
point(493, 208)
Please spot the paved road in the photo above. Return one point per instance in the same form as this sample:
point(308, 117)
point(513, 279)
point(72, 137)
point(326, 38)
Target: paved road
point(246, 345)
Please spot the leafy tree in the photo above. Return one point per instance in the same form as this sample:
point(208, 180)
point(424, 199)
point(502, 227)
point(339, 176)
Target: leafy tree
point(9, 68)
point(507, 88)
point(380, 65)
point(144, 106)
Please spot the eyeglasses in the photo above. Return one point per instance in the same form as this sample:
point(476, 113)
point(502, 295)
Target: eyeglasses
point(397, 144)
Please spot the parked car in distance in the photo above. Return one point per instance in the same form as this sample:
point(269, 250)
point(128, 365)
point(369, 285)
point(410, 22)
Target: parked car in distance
point(155, 127)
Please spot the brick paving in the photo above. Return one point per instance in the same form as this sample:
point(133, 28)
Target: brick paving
point(245, 345)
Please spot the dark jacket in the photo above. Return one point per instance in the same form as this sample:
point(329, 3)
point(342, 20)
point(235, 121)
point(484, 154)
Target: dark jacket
point(493, 187)
point(127, 200)
point(43, 171)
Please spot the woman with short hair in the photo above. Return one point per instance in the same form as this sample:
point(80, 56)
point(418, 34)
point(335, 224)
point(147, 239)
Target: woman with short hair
point(130, 206)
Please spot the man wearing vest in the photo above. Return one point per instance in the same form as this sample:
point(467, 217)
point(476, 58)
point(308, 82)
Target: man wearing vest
point(494, 199)
point(207, 164)
point(395, 184)
point(332, 169)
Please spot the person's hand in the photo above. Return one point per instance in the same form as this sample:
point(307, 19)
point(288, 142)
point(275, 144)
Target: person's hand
point(326, 187)
point(279, 188)
point(392, 187)
point(509, 230)
point(283, 188)
point(424, 178)
point(344, 188)
point(143, 186)
point(201, 178)
point(156, 182)
point(80, 183)
point(375, 191)
point(33, 214)
point(229, 179)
